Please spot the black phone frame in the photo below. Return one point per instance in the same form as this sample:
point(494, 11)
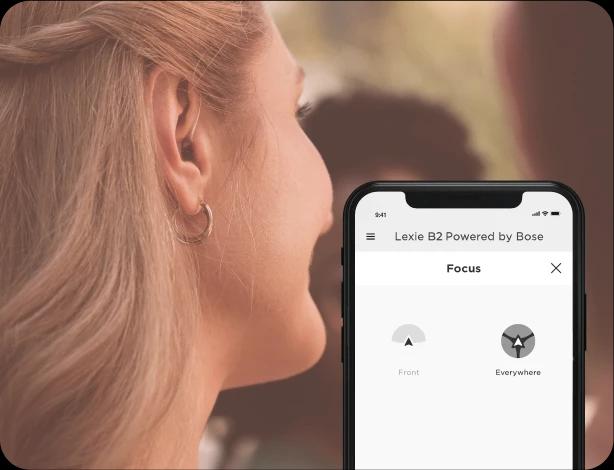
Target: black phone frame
point(470, 194)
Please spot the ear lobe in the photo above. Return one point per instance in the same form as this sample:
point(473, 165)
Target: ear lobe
point(181, 184)
point(175, 109)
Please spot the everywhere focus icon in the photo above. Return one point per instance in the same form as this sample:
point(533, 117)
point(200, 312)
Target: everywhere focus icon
point(518, 341)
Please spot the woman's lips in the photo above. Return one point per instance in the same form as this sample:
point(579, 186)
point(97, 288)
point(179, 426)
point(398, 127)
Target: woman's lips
point(328, 222)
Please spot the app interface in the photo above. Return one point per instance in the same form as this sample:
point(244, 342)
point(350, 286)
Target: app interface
point(463, 331)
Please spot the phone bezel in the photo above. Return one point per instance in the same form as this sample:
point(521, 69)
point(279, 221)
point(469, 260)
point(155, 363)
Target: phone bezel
point(485, 189)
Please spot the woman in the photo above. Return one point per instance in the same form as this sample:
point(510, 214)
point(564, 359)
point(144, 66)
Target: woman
point(159, 204)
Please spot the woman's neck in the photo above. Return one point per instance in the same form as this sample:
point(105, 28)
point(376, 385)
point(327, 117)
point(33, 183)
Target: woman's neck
point(175, 444)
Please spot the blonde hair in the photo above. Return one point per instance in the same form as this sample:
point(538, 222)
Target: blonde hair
point(98, 303)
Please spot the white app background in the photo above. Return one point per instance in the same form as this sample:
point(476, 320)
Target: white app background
point(440, 403)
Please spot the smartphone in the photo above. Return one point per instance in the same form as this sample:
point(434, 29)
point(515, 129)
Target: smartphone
point(464, 326)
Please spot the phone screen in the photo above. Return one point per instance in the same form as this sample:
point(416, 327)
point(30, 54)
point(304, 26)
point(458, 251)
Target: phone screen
point(463, 334)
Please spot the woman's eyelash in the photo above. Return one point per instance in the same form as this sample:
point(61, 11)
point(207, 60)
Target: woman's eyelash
point(303, 110)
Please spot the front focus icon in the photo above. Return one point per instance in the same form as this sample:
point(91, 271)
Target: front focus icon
point(518, 341)
point(408, 335)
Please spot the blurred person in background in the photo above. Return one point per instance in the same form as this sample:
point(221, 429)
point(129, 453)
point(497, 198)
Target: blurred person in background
point(363, 136)
point(159, 204)
point(555, 63)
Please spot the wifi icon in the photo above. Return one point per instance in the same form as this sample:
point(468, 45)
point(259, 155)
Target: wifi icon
point(544, 212)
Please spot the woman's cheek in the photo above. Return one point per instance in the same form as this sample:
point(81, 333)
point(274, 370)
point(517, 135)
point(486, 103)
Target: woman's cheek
point(292, 204)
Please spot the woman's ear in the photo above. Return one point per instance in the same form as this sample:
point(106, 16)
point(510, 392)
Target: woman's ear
point(182, 144)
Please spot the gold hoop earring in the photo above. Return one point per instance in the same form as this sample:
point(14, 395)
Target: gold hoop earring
point(198, 238)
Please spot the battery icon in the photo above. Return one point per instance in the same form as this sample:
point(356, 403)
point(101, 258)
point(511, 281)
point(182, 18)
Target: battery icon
point(554, 212)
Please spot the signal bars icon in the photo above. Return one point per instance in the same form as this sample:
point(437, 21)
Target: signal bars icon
point(538, 213)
